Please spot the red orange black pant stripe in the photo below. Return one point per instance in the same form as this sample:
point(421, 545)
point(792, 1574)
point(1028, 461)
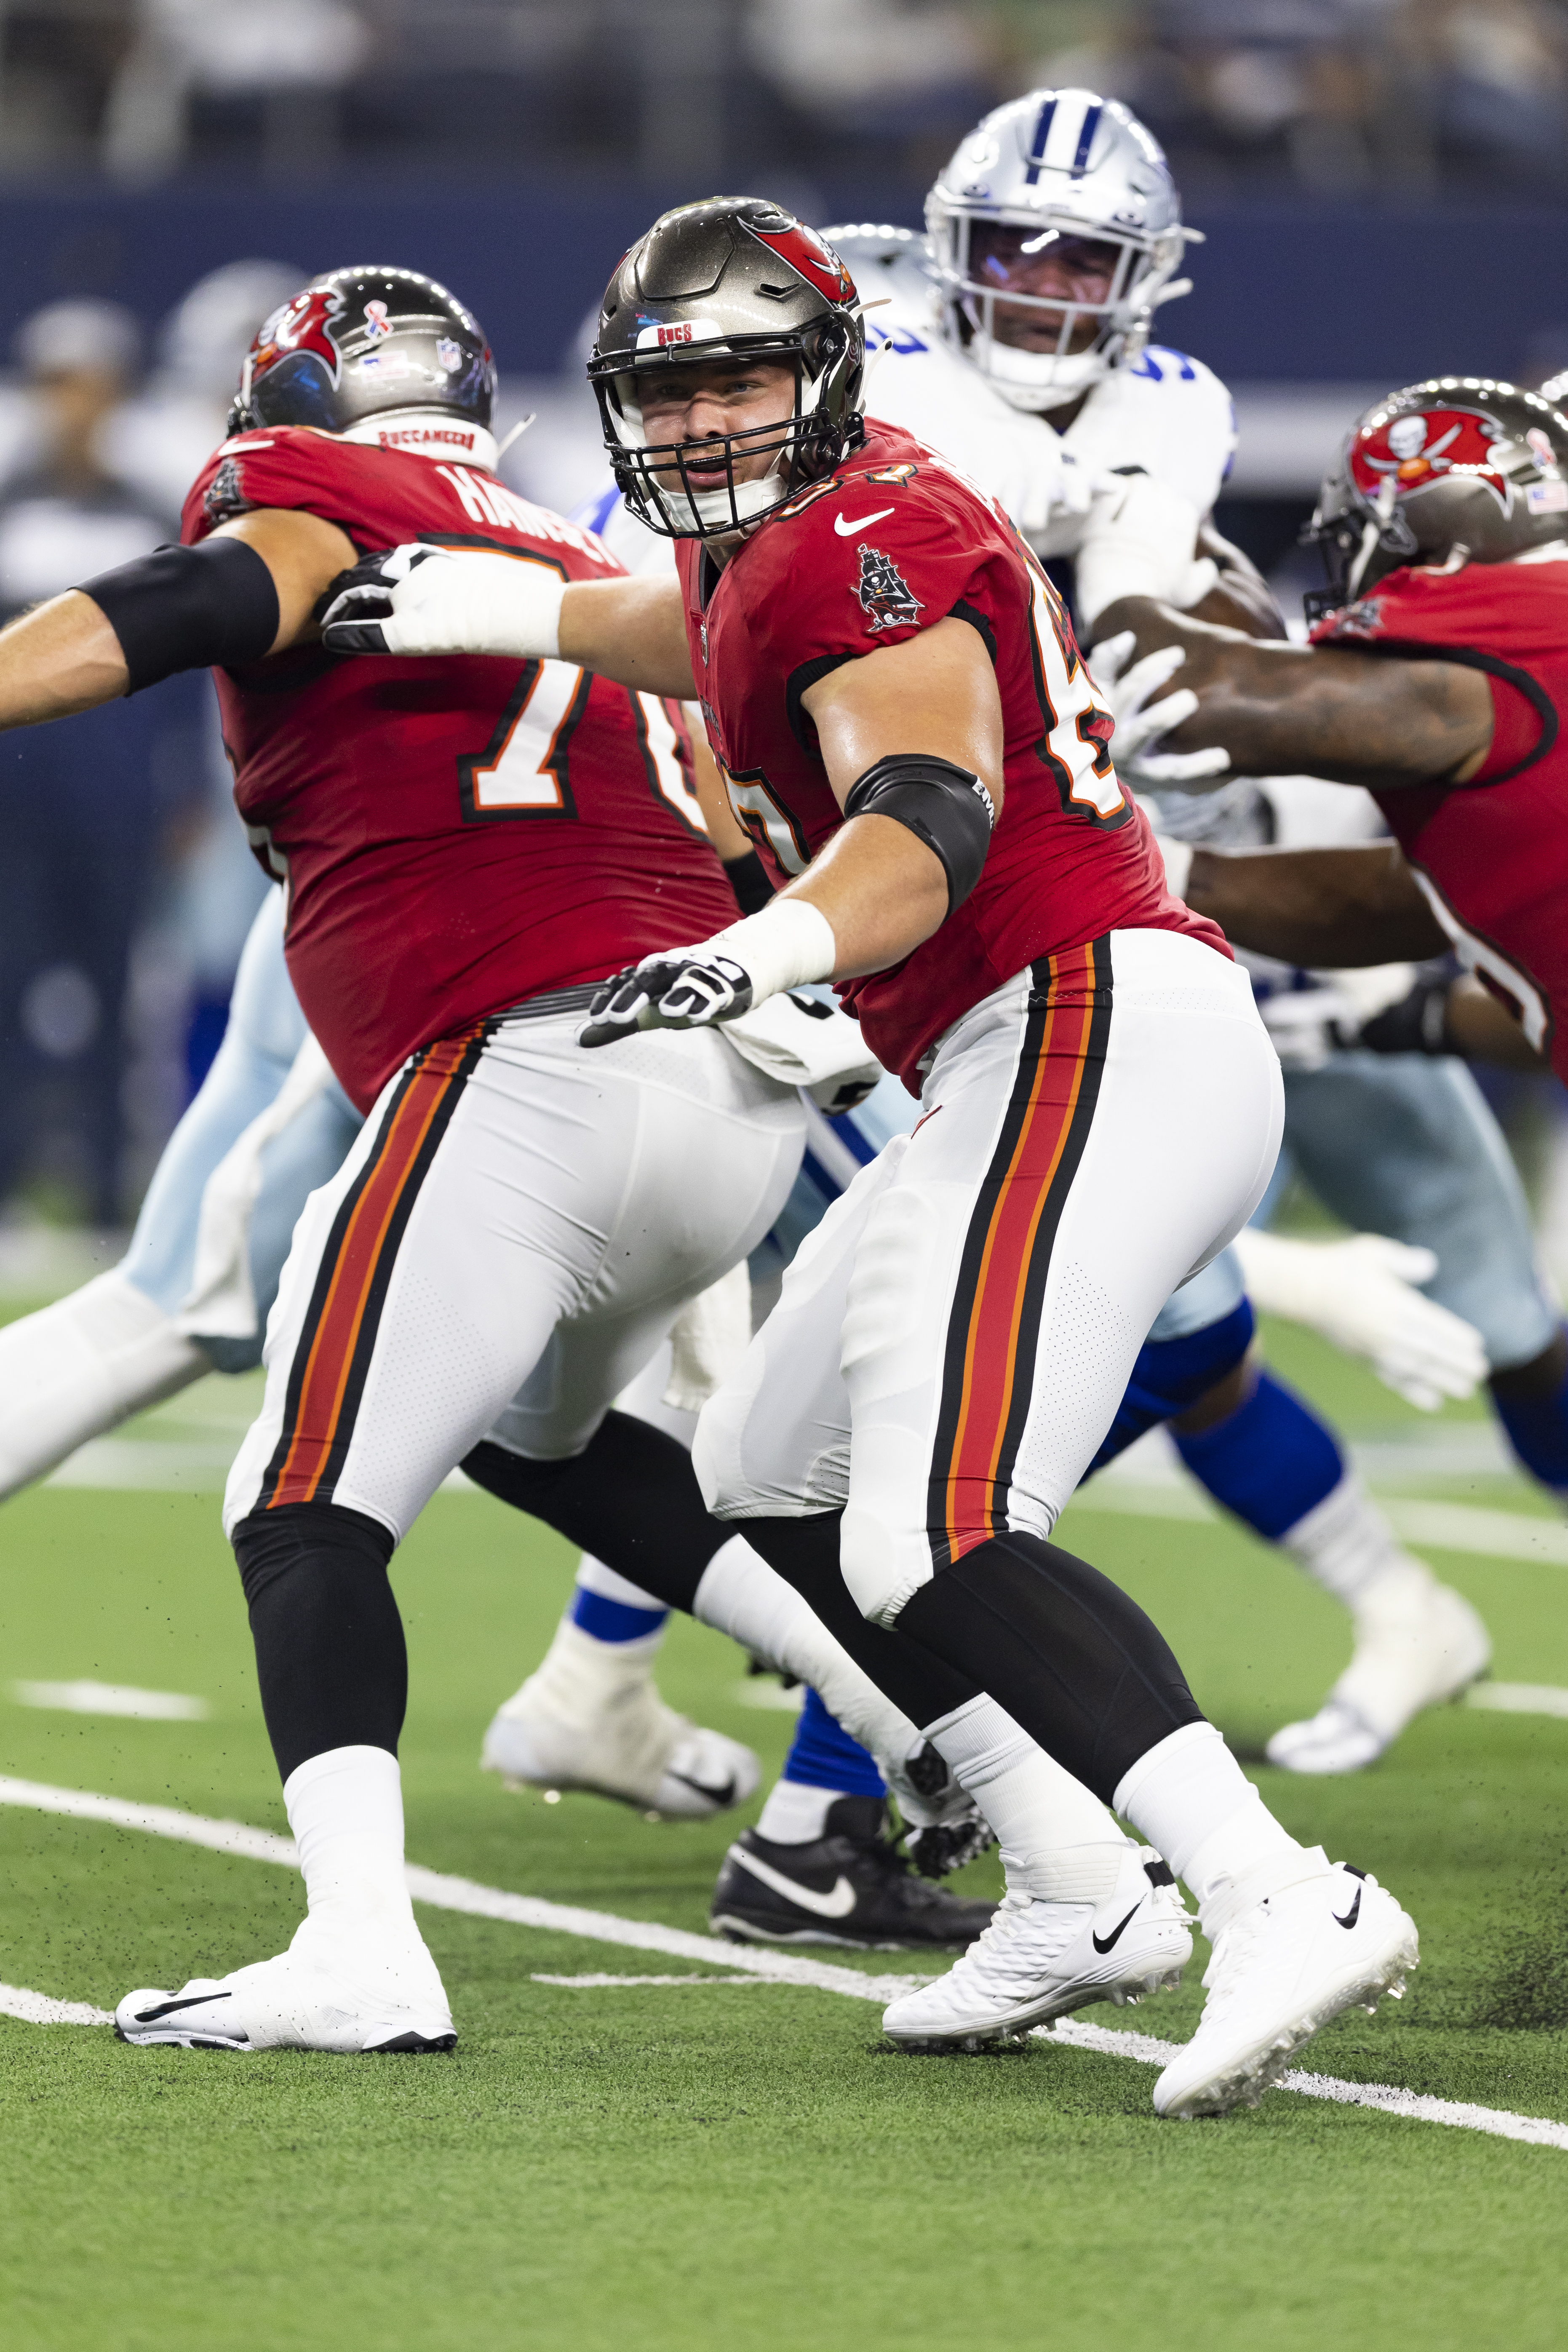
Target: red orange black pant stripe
point(333, 1351)
point(994, 1330)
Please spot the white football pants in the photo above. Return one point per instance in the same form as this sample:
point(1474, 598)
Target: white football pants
point(951, 1342)
point(511, 1236)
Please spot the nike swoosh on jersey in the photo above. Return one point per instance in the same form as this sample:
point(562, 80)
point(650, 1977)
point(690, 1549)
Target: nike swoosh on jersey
point(191, 2001)
point(833, 1906)
point(847, 530)
point(1352, 1915)
point(1116, 1932)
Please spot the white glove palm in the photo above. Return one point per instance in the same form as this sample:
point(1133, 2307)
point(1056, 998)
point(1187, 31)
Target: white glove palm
point(1142, 723)
point(443, 600)
point(1360, 1294)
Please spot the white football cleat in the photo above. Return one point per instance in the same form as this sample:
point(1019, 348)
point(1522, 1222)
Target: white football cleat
point(1418, 1642)
point(1037, 1960)
point(1296, 1941)
point(589, 1719)
point(321, 1998)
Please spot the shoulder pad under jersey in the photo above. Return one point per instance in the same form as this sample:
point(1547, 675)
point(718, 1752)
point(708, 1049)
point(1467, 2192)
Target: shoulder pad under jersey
point(1166, 413)
point(1018, 460)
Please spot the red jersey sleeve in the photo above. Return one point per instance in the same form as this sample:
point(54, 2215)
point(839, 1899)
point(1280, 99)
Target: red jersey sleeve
point(289, 468)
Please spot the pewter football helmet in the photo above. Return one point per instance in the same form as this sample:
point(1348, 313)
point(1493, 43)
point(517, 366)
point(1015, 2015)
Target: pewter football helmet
point(734, 277)
point(1059, 164)
point(1460, 469)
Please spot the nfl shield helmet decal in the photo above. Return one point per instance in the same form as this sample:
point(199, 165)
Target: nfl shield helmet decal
point(1413, 451)
point(884, 592)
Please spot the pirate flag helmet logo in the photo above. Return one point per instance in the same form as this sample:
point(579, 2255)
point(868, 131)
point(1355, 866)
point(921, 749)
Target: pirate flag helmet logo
point(1462, 469)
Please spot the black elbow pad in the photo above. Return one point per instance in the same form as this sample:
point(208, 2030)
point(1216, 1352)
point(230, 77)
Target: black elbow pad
point(946, 807)
point(188, 608)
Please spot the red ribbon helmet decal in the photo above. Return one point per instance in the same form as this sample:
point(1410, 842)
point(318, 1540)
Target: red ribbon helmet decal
point(1436, 445)
point(816, 262)
point(301, 325)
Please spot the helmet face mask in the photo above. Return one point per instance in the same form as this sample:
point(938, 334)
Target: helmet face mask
point(712, 285)
point(380, 355)
point(1459, 470)
point(1068, 169)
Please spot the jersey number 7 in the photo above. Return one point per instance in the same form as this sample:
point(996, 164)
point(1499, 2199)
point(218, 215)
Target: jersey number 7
point(525, 768)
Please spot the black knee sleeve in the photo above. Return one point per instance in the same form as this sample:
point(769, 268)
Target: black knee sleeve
point(630, 1497)
point(330, 1652)
point(804, 1552)
point(1064, 1650)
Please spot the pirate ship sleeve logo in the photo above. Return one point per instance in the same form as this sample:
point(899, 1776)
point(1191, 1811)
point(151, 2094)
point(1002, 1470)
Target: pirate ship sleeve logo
point(888, 599)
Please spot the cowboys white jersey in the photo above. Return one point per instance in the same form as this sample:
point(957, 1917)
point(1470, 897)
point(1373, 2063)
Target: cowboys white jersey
point(1162, 415)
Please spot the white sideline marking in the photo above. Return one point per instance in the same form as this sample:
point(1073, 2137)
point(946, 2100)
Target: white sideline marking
point(1385, 2096)
point(112, 1699)
point(598, 1983)
point(1449, 1526)
point(762, 1691)
point(38, 2008)
point(755, 1964)
point(1519, 1698)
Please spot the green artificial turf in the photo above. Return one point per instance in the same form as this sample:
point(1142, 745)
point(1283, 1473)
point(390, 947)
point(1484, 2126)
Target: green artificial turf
point(718, 2164)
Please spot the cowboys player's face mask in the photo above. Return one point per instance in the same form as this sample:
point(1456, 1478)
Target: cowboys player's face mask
point(1044, 268)
point(717, 417)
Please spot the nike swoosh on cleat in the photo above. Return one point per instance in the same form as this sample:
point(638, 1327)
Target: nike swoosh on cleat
point(847, 530)
point(834, 1906)
point(1352, 1915)
point(720, 1799)
point(192, 2000)
point(1116, 1932)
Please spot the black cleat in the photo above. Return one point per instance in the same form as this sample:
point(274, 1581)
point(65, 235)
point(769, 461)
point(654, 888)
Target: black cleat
point(852, 1886)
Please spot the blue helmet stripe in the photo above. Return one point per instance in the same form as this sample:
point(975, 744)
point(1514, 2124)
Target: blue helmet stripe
point(1038, 144)
point(1086, 138)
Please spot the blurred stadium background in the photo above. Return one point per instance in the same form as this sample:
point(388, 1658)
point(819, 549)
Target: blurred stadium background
point(1383, 186)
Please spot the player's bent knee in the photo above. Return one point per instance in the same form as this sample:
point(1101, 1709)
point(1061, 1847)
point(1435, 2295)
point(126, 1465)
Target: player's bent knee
point(883, 1566)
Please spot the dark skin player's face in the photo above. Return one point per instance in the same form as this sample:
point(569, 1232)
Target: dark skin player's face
point(1048, 266)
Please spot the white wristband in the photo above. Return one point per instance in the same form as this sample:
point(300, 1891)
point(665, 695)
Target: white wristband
point(467, 603)
point(1178, 858)
point(784, 946)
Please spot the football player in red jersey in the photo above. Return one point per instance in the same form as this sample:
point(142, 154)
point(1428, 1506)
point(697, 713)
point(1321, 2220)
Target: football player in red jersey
point(908, 733)
point(469, 849)
point(1436, 678)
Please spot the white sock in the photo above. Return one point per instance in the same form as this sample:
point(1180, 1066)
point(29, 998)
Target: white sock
point(1194, 1803)
point(1058, 1842)
point(742, 1596)
point(345, 1809)
point(795, 1814)
point(1345, 1545)
point(79, 1366)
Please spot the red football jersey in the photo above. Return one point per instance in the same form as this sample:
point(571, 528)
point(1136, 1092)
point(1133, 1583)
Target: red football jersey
point(1492, 855)
point(455, 835)
point(892, 542)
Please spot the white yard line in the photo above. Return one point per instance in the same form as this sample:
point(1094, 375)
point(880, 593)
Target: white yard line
point(1519, 1698)
point(753, 1964)
point(601, 1983)
point(38, 2008)
point(112, 1698)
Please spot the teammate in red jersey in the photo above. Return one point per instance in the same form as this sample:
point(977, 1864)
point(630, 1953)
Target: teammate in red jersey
point(1436, 678)
point(908, 734)
point(467, 848)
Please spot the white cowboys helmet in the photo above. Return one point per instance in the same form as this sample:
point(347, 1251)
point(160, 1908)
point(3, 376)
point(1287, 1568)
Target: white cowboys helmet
point(1059, 168)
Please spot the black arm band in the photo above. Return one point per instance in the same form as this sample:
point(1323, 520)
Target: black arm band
point(946, 807)
point(748, 879)
point(188, 608)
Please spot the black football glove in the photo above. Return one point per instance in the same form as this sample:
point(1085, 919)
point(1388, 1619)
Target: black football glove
point(689, 988)
point(359, 600)
point(1418, 1023)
